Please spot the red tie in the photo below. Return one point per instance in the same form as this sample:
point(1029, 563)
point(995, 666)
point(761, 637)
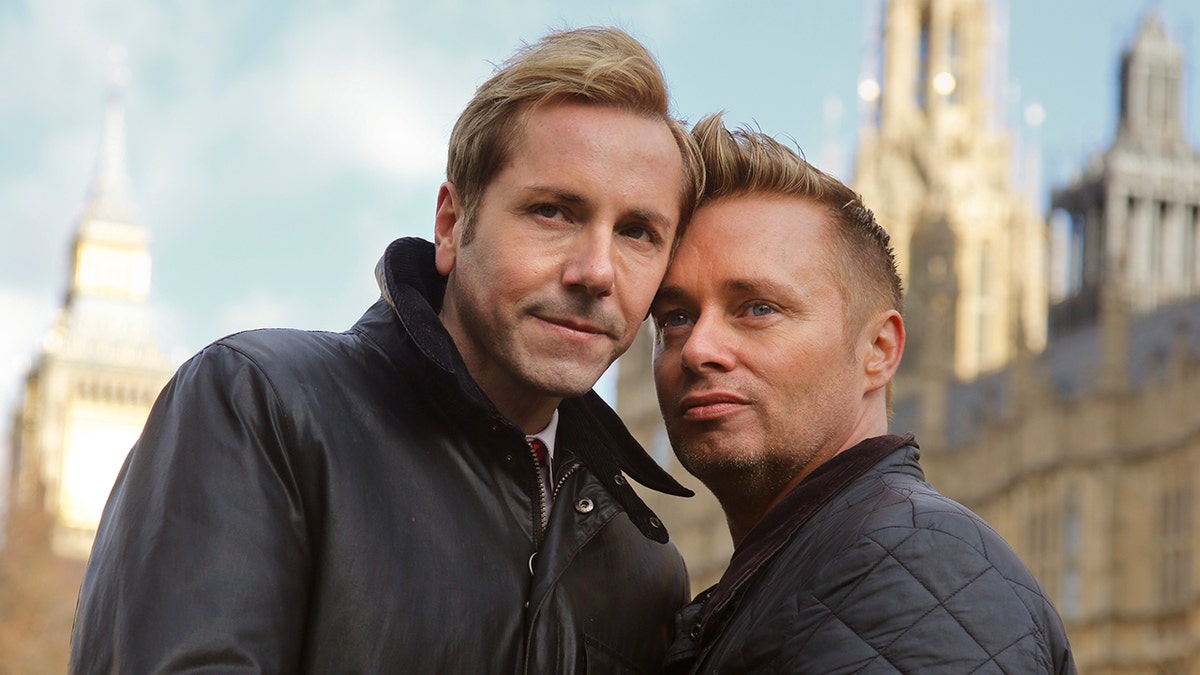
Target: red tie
point(542, 453)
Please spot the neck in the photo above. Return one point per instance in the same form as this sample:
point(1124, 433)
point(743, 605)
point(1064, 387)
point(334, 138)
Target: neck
point(532, 416)
point(748, 497)
point(741, 517)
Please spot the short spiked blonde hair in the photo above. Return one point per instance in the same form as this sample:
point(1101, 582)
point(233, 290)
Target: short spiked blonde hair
point(746, 161)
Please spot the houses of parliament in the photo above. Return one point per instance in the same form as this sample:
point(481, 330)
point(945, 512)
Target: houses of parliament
point(1052, 373)
point(1051, 376)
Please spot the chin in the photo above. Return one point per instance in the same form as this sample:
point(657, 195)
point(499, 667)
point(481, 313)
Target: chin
point(720, 463)
point(703, 461)
point(566, 387)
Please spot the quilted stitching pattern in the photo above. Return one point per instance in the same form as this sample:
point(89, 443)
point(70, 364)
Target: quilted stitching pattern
point(891, 577)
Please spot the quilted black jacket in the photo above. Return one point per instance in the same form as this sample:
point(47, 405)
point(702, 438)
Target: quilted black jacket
point(865, 568)
point(352, 503)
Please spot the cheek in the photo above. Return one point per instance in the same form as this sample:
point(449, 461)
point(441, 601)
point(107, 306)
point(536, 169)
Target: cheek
point(640, 282)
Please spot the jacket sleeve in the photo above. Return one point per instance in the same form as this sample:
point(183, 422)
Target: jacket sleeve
point(922, 601)
point(202, 555)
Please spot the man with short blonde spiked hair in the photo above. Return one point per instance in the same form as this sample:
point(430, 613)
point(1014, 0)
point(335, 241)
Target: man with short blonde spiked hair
point(778, 333)
point(438, 489)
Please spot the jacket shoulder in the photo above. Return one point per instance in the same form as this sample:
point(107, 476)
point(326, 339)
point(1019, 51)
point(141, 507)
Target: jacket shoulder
point(891, 575)
point(271, 347)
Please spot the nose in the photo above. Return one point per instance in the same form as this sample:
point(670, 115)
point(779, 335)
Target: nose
point(590, 262)
point(708, 347)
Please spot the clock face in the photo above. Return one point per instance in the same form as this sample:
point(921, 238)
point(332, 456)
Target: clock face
point(113, 271)
point(98, 437)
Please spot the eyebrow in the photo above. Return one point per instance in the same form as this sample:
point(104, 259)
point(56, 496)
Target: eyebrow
point(644, 215)
point(678, 294)
point(569, 197)
point(759, 285)
point(674, 294)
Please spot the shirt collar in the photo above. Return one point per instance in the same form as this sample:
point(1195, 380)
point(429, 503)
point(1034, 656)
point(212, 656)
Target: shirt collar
point(548, 434)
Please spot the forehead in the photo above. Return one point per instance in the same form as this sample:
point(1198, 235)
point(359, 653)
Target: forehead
point(596, 127)
point(757, 235)
point(618, 152)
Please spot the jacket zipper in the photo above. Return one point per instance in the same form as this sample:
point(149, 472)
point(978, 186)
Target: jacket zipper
point(563, 479)
point(541, 510)
point(540, 536)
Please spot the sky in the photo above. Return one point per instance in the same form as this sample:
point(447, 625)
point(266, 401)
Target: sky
point(275, 148)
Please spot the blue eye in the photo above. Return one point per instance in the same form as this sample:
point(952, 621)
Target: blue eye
point(761, 309)
point(673, 320)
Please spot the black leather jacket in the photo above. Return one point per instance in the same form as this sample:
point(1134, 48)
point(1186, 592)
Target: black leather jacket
point(352, 502)
point(864, 568)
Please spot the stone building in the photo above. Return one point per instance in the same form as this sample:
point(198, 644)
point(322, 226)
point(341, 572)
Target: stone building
point(90, 389)
point(1086, 457)
point(1072, 427)
point(935, 163)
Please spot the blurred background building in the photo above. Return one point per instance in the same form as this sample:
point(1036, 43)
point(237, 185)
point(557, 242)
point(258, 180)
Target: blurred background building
point(85, 401)
point(1052, 371)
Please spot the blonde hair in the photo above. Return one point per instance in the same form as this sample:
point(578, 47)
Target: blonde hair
point(746, 161)
point(600, 66)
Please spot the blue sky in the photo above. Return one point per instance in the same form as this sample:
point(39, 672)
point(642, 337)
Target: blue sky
point(276, 147)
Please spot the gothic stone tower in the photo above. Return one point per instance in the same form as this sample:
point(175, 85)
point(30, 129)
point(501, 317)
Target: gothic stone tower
point(1134, 212)
point(935, 166)
point(91, 388)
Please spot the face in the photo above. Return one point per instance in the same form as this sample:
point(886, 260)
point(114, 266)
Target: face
point(571, 240)
point(758, 380)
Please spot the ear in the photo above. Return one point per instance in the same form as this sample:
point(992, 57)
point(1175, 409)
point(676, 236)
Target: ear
point(446, 232)
point(886, 335)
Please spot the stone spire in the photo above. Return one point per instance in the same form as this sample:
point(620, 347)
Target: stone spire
point(111, 257)
point(109, 199)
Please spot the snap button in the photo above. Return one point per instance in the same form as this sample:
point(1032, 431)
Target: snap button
point(531, 559)
point(508, 457)
point(584, 505)
point(654, 522)
point(619, 479)
point(695, 632)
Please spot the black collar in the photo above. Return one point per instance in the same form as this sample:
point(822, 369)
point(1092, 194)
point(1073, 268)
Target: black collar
point(771, 533)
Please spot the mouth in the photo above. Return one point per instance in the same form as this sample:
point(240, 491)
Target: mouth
point(574, 328)
point(711, 405)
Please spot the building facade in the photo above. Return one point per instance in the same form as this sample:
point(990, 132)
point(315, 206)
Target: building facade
point(1086, 457)
point(935, 163)
point(90, 388)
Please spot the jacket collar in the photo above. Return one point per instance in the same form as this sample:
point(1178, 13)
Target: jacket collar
point(778, 525)
point(411, 285)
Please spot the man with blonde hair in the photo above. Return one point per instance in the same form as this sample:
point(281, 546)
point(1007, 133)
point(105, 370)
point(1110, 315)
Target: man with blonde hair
point(436, 490)
point(779, 330)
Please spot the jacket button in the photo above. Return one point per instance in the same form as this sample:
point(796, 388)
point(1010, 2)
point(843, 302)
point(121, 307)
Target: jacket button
point(655, 522)
point(619, 479)
point(584, 505)
point(695, 632)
